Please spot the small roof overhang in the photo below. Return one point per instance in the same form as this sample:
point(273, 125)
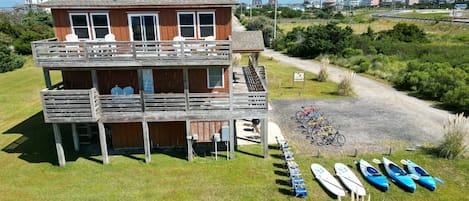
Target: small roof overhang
point(247, 41)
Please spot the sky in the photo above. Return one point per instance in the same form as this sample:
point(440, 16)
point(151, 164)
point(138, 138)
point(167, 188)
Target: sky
point(11, 3)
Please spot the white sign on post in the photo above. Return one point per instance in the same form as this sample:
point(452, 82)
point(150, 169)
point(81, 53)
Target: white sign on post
point(299, 76)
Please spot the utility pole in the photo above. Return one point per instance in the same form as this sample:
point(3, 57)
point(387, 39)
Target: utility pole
point(275, 20)
point(250, 10)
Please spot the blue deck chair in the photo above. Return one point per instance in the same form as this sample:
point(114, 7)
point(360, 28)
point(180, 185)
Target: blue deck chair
point(128, 90)
point(117, 90)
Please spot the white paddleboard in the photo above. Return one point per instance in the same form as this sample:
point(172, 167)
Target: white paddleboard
point(327, 180)
point(349, 179)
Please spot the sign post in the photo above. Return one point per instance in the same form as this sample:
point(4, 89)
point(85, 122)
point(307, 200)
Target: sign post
point(299, 77)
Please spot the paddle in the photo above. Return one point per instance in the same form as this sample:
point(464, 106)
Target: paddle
point(376, 161)
point(439, 180)
point(403, 162)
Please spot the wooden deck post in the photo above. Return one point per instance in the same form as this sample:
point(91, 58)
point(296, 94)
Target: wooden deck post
point(76, 140)
point(58, 145)
point(146, 141)
point(189, 140)
point(47, 80)
point(185, 75)
point(232, 138)
point(94, 79)
point(265, 134)
point(102, 142)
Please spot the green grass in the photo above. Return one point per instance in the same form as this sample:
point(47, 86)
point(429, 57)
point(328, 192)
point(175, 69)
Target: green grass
point(436, 16)
point(280, 77)
point(29, 171)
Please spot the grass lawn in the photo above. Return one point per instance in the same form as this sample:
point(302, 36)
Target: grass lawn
point(436, 16)
point(280, 83)
point(29, 171)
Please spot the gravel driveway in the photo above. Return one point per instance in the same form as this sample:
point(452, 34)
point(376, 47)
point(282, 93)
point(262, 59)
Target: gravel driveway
point(378, 118)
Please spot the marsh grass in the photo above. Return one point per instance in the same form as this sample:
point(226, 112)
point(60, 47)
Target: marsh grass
point(456, 131)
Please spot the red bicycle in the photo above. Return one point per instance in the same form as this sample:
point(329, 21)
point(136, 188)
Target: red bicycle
point(305, 111)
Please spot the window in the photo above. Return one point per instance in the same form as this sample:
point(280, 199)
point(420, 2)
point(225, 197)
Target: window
point(79, 23)
point(100, 24)
point(143, 27)
point(215, 77)
point(186, 21)
point(90, 26)
point(206, 24)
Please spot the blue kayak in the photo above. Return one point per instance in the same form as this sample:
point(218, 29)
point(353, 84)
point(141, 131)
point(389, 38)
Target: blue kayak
point(424, 178)
point(399, 176)
point(372, 175)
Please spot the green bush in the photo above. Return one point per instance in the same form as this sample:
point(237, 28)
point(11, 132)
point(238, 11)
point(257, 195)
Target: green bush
point(8, 59)
point(458, 97)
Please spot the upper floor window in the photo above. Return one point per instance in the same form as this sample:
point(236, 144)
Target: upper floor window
point(90, 25)
point(186, 21)
point(201, 26)
point(206, 24)
point(215, 77)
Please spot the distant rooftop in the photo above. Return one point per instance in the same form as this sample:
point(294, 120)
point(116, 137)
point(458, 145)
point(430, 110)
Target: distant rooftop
point(131, 3)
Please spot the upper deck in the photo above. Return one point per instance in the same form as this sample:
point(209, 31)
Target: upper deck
point(54, 53)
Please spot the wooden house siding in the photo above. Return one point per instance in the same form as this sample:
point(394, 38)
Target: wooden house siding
point(167, 19)
point(61, 24)
point(125, 135)
point(77, 79)
point(107, 79)
point(206, 129)
point(168, 133)
point(168, 81)
point(198, 82)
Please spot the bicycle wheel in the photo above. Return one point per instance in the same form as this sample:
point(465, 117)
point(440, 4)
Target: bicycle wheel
point(340, 139)
point(300, 115)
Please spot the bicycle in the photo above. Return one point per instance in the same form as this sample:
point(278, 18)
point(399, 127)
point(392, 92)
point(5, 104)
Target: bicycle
point(328, 138)
point(305, 111)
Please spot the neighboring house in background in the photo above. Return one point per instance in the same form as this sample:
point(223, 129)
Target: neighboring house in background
point(148, 74)
point(257, 3)
point(33, 4)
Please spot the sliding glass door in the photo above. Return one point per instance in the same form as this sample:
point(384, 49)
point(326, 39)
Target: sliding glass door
point(144, 28)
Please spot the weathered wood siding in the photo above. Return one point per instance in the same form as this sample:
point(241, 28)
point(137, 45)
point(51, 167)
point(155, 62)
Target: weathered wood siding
point(198, 82)
point(168, 81)
point(206, 129)
point(77, 79)
point(167, 18)
point(107, 79)
point(61, 24)
point(125, 135)
point(168, 133)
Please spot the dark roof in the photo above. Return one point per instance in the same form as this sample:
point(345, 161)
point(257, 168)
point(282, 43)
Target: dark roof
point(130, 3)
point(247, 41)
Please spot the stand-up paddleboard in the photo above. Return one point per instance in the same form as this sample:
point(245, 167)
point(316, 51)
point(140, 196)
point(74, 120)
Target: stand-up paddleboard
point(349, 179)
point(327, 180)
point(399, 175)
point(372, 175)
point(422, 176)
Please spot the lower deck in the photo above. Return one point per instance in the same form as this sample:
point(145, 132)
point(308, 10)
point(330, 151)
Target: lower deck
point(112, 137)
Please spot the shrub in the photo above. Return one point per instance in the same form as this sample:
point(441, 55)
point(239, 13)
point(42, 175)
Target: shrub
point(323, 72)
point(8, 59)
point(360, 64)
point(455, 130)
point(345, 86)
